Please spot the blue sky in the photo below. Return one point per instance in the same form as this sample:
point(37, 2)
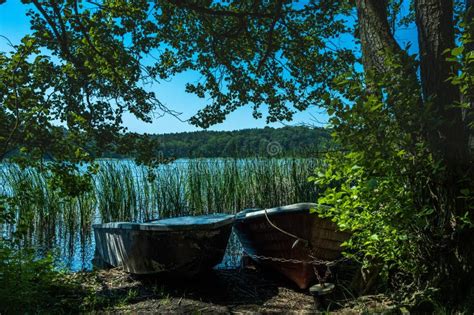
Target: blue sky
point(14, 24)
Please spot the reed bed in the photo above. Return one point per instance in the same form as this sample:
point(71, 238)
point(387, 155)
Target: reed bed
point(124, 191)
point(197, 187)
point(49, 219)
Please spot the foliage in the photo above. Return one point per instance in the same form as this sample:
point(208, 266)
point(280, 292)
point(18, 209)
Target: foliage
point(34, 91)
point(372, 188)
point(105, 49)
point(31, 285)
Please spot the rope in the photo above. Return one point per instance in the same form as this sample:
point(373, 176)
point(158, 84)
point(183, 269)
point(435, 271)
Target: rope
point(306, 242)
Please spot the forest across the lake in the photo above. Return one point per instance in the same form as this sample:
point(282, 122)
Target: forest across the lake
point(287, 141)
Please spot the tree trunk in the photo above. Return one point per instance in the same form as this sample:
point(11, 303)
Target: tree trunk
point(377, 40)
point(374, 32)
point(379, 50)
point(448, 134)
point(470, 47)
point(435, 22)
point(449, 141)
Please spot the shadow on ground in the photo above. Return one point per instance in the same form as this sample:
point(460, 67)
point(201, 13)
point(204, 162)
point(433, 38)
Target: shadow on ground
point(219, 291)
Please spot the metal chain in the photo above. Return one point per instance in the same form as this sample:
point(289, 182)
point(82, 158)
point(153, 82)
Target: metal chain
point(314, 262)
point(323, 279)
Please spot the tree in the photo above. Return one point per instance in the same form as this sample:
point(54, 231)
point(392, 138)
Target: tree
point(405, 188)
point(62, 100)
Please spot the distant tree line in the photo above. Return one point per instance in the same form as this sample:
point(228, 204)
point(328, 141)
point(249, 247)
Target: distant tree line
point(286, 141)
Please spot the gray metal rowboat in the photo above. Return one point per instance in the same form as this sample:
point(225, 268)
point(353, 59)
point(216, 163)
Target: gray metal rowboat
point(182, 246)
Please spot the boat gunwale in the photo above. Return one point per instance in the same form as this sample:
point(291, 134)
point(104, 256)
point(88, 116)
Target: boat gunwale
point(227, 219)
point(259, 212)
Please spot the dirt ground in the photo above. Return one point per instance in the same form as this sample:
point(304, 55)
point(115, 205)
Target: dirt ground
point(245, 291)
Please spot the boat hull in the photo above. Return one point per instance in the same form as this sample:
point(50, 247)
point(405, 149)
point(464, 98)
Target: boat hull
point(260, 238)
point(174, 252)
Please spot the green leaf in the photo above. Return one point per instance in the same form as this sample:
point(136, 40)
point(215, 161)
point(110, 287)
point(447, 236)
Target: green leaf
point(457, 51)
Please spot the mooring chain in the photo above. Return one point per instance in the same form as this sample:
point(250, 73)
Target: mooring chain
point(327, 274)
point(314, 262)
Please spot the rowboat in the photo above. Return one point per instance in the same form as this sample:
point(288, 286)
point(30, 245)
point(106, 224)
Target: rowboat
point(182, 246)
point(288, 238)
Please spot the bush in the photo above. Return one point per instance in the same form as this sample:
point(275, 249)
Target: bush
point(32, 285)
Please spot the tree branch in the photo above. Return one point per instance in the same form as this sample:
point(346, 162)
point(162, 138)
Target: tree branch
point(218, 12)
point(270, 33)
point(59, 36)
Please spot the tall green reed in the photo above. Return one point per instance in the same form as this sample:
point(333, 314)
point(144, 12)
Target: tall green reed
point(42, 212)
point(124, 191)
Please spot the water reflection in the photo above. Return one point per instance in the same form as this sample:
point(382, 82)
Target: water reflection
point(233, 253)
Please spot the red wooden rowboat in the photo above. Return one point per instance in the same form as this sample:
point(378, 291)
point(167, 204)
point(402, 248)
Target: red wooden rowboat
point(262, 233)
